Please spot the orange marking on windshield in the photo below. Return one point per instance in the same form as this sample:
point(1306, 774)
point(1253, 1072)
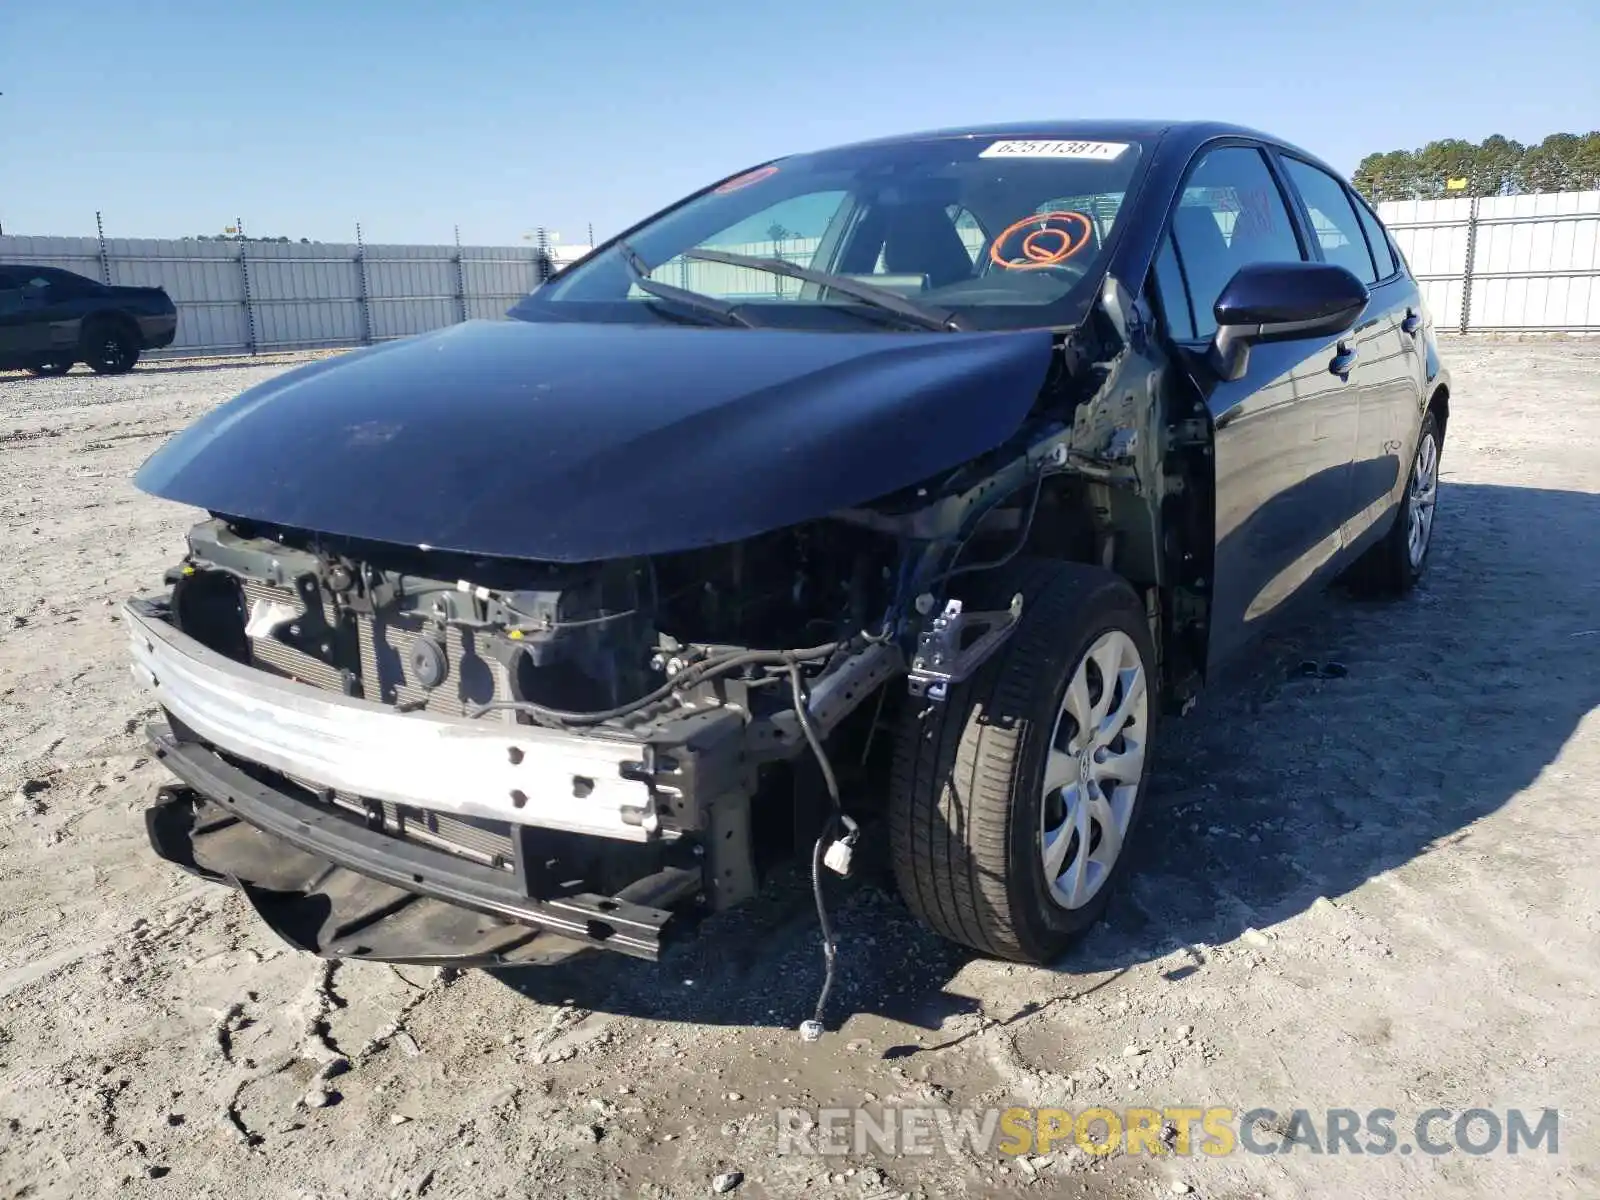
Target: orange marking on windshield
point(1036, 251)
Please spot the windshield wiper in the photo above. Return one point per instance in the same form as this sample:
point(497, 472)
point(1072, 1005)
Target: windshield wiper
point(727, 314)
point(925, 315)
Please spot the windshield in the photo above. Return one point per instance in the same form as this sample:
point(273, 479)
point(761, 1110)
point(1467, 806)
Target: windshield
point(1006, 233)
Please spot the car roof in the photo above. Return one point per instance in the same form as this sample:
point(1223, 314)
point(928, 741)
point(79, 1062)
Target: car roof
point(1186, 135)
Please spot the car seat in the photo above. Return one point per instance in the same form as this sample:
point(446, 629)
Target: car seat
point(922, 240)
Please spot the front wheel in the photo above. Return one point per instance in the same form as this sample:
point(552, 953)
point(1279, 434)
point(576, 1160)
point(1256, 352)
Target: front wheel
point(1014, 802)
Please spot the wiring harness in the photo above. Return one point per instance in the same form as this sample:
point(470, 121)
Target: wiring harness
point(708, 668)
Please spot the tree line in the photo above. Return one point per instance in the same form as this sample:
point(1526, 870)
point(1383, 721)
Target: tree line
point(1496, 166)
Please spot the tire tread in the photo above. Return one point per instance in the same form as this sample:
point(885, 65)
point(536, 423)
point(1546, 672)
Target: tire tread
point(955, 771)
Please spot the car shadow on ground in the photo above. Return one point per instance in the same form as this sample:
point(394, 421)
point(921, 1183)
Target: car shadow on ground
point(1278, 789)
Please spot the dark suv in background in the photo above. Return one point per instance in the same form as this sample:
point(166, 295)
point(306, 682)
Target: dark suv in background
point(50, 319)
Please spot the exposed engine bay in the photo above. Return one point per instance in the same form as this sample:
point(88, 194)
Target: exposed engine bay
point(542, 643)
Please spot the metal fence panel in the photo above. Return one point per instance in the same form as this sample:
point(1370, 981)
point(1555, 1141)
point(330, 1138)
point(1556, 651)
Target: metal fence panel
point(1505, 263)
point(496, 275)
point(69, 253)
point(1432, 234)
point(237, 296)
point(303, 296)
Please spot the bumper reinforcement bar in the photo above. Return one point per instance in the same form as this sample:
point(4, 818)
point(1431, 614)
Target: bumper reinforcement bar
point(331, 886)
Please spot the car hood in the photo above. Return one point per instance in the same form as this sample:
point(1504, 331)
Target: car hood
point(575, 442)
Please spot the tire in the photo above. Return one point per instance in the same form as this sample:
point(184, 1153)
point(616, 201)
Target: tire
point(968, 807)
point(55, 367)
point(110, 348)
point(1393, 566)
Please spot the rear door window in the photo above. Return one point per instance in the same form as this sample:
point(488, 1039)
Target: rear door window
point(1377, 241)
point(1334, 219)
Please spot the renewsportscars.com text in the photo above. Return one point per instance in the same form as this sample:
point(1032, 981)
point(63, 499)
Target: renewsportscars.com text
point(1177, 1129)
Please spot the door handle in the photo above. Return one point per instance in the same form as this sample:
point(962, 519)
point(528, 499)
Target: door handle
point(1342, 362)
point(1412, 323)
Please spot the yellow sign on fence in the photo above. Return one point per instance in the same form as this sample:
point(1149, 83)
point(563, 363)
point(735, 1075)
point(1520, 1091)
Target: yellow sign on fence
point(1455, 185)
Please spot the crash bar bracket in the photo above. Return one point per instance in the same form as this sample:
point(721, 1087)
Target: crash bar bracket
point(941, 660)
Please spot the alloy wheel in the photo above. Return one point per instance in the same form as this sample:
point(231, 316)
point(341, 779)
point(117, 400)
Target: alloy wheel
point(1424, 493)
point(1093, 769)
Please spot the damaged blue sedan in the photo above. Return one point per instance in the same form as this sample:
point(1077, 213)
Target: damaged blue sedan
point(893, 491)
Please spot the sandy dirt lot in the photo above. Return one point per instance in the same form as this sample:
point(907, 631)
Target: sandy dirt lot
point(1376, 891)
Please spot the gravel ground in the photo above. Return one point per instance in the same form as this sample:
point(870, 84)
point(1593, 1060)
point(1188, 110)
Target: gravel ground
point(1359, 892)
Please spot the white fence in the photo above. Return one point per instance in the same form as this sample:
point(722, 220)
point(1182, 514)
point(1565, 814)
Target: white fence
point(244, 297)
point(1501, 264)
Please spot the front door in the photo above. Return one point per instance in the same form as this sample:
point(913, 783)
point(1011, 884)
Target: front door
point(48, 320)
point(1285, 432)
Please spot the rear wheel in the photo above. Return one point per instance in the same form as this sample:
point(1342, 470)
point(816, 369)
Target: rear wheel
point(1393, 566)
point(110, 348)
point(54, 367)
point(1014, 802)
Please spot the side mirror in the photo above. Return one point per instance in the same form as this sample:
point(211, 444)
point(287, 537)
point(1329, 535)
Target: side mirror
point(1278, 301)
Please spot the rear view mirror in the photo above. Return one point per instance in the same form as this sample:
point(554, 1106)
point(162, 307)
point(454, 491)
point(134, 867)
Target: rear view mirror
point(1274, 302)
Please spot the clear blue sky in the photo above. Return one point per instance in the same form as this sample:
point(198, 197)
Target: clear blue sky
point(302, 116)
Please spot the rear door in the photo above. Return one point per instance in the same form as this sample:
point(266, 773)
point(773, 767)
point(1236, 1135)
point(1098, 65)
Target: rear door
point(1388, 373)
point(1401, 418)
point(62, 298)
point(1284, 432)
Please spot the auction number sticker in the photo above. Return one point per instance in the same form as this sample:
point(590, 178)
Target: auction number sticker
point(1055, 149)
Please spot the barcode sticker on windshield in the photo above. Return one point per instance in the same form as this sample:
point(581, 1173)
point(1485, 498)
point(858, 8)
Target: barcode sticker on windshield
point(1055, 149)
